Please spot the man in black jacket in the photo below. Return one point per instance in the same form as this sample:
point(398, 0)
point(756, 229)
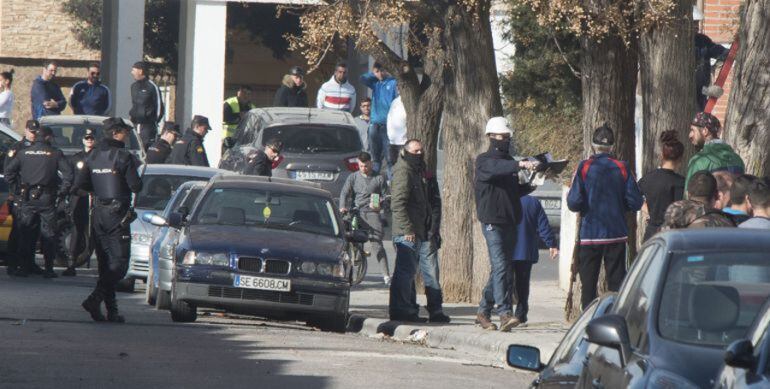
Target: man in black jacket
point(147, 104)
point(499, 210)
point(292, 91)
point(161, 149)
point(260, 162)
point(14, 201)
point(189, 150)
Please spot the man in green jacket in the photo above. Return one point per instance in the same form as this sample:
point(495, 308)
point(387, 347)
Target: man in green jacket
point(411, 219)
point(714, 154)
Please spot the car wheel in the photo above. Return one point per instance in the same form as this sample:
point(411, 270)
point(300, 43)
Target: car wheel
point(126, 285)
point(151, 293)
point(183, 312)
point(163, 299)
point(335, 323)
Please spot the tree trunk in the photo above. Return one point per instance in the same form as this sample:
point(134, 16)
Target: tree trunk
point(748, 116)
point(472, 97)
point(668, 83)
point(609, 70)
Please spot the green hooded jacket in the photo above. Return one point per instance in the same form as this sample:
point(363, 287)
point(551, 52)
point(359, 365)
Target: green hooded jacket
point(715, 155)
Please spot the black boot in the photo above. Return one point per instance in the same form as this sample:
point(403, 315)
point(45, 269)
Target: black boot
point(112, 310)
point(69, 272)
point(93, 305)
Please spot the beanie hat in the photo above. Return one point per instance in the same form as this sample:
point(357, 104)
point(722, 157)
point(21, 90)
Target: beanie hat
point(707, 121)
point(603, 136)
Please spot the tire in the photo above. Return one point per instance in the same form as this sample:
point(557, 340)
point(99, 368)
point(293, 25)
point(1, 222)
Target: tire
point(150, 293)
point(163, 300)
point(126, 285)
point(337, 323)
point(360, 264)
point(183, 312)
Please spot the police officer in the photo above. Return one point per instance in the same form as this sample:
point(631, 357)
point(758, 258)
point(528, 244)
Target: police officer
point(235, 108)
point(79, 207)
point(260, 162)
point(189, 150)
point(14, 203)
point(160, 150)
point(36, 170)
point(110, 172)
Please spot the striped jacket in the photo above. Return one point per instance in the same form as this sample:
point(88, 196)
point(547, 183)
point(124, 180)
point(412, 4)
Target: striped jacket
point(336, 96)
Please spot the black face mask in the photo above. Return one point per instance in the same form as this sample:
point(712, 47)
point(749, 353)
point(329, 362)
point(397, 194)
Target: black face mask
point(414, 160)
point(500, 145)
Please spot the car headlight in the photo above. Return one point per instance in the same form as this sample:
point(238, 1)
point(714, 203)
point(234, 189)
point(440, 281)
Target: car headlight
point(138, 238)
point(324, 269)
point(210, 259)
point(307, 267)
point(339, 269)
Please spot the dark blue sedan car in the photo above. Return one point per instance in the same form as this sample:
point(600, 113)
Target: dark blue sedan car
point(269, 247)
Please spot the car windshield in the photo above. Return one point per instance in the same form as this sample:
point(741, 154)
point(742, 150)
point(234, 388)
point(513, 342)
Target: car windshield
point(267, 209)
point(314, 139)
point(157, 190)
point(712, 298)
point(70, 136)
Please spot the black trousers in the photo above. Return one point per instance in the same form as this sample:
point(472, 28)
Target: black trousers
point(14, 260)
point(113, 247)
point(589, 263)
point(148, 132)
point(78, 242)
point(37, 219)
point(522, 273)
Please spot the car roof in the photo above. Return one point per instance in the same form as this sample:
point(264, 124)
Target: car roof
point(72, 119)
point(183, 170)
point(284, 184)
point(716, 239)
point(282, 115)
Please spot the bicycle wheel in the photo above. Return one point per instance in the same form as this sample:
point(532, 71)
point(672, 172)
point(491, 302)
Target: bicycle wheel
point(360, 263)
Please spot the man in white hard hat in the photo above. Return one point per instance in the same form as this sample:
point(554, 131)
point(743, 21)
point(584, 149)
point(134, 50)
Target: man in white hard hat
point(498, 208)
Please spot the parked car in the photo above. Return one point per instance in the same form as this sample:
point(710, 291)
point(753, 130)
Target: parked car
point(159, 183)
point(68, 131)
point(566, 363)
point(164, 239)
point(747, 360)
point(6, 219)
point(262, 246)
point(319, 146)
point(7, 139)
point(689, 294)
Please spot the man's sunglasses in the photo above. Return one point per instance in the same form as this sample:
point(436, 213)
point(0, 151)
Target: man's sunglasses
point(89, 138)
point(275, 150)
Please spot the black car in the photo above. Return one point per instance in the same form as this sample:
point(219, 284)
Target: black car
point(747, 360)
point(262, 246)
point(566, 363)
point(689, 294)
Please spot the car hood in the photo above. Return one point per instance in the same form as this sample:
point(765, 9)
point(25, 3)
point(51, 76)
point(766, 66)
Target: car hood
point(263, 242)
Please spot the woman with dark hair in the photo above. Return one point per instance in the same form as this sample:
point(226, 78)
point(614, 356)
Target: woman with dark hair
point(6, 97)
point(662, 186)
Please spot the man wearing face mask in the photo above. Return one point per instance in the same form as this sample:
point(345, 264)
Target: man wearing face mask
point(498, 208)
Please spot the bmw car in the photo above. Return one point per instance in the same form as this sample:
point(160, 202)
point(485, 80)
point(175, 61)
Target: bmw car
point(262, 246)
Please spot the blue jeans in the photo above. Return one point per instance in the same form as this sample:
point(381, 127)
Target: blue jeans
point(403, 299)
point(430, 277)
point(378, 144)
point(501, 240)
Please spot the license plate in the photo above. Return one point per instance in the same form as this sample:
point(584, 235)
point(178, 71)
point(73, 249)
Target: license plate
point(551, 204)
point(262, 283)
point(319, 176)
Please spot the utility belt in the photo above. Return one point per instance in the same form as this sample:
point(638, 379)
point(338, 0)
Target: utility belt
point(118, 207)
point(35, 192)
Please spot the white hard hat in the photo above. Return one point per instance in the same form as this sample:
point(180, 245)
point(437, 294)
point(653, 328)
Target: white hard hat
point(697, 14)
point(498, 125)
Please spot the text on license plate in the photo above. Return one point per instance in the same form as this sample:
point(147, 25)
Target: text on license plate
point(322, 176)
point(262, 283)
point(551, 204)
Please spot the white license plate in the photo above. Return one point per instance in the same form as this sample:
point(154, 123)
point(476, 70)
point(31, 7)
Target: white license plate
point(263, 283)
point(551, 204)
point(320, 176)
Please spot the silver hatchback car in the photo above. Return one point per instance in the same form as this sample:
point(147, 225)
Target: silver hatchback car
point(318, 145)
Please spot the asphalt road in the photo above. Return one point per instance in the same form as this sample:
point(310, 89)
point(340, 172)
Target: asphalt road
point(48, 341)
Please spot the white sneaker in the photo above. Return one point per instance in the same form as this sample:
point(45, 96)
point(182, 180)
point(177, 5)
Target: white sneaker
point(386, 280)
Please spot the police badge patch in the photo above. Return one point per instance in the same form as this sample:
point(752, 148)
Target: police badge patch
point(199, 150)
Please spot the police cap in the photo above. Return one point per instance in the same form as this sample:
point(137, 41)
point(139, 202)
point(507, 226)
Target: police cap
point(172, 128)
point(199, 120)
point(90, 133)
point(603, 136)
point(33, 125)
point(115, 123)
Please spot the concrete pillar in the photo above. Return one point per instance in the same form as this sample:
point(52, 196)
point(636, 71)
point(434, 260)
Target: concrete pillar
point(567, 235)
point(201, 78)
point(122, 45)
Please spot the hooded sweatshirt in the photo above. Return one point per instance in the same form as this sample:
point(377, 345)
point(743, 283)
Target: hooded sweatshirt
point(715, 156)
point(336, 96)
point(290, 95)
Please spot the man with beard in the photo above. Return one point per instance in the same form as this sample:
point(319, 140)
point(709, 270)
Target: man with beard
point(715, 154)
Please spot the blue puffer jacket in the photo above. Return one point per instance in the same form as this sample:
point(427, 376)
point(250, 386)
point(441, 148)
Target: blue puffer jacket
point(383, 94)
point(603, 190)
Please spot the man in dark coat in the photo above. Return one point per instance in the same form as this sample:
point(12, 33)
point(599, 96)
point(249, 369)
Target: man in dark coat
point(292, 91)
point(189, 150)
point(261, 162)
point(161, 149)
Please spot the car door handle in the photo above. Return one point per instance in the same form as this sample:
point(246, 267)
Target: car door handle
point(597, 384)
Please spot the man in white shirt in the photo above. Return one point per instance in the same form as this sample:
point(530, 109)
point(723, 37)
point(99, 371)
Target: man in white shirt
point(396, 132)
point(337, 93)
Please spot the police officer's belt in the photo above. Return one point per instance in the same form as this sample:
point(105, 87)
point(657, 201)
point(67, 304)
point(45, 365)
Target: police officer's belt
point(110, 201)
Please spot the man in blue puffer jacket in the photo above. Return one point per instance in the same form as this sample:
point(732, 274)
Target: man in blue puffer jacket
point(384, 91)
point(603, 191)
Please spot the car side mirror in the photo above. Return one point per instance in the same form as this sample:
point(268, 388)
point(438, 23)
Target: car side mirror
point(524, 357)
point(154, 219)
point(740, 354)
point(610, 331)
point(229, 142)
point(357, 236)
point(175, 219)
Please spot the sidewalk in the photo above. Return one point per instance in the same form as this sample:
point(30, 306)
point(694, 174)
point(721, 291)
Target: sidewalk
point(545, 329)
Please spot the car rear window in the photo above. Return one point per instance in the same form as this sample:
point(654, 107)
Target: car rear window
point(267, 209)
point(314, 139)
point(70, 136)
point(157, 190)
point(712, 298)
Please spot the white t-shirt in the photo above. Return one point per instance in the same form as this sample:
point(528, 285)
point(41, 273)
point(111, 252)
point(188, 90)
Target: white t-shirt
point(397, 123)
point(6, 104)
